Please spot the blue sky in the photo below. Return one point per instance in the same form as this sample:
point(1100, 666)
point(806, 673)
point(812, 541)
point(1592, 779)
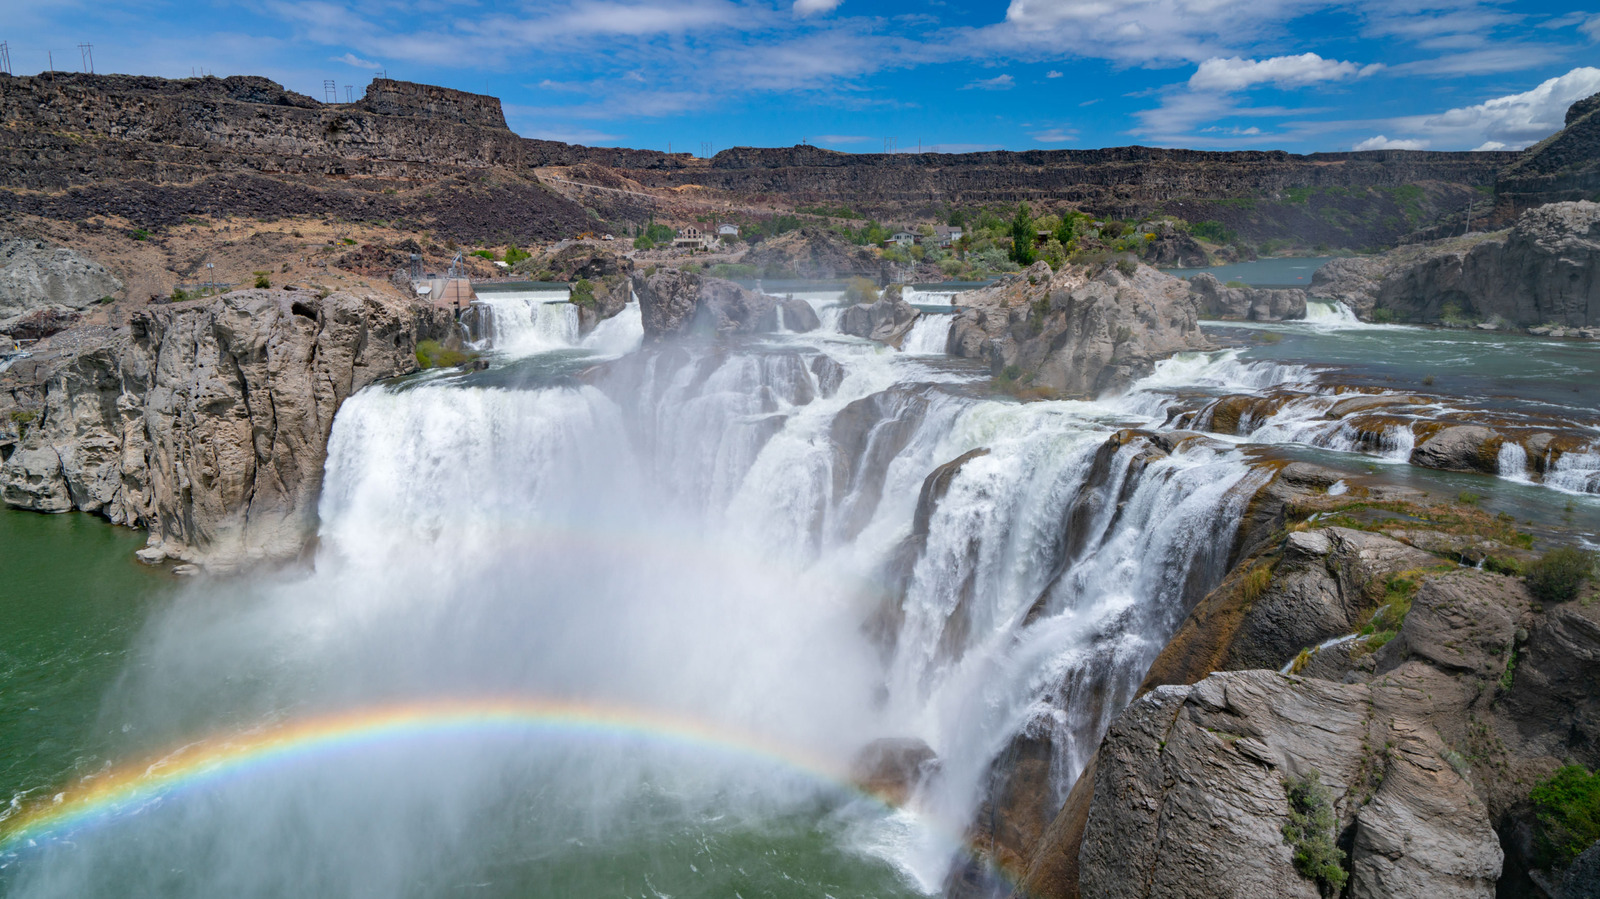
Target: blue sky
point(859, 75)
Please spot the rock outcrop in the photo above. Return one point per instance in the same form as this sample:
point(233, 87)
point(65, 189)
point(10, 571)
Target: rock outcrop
point(675, 303)
point(888, 320)
point(1078, 331)
point(35, 274)
point(1218, 300)
point(1564, 166)
point(813, 254)
point(204, 422)
point(1173, 247)
point(1545, 270)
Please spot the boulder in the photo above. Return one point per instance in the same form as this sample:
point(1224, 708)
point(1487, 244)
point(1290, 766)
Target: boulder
point(1460, 448)
point(674, 303)
point(34, 273)
point(1080, 331)
point(1174, 247)
point(790, 314)
point(894, 767)
point(888, 320)
point(1251, 303)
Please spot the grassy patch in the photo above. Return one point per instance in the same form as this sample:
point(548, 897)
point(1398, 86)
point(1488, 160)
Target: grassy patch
point(432, 354)
point(1559, 574)
point(1567, 807)
point(1312, 833)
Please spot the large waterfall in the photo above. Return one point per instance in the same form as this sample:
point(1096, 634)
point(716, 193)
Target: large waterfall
point(704, 575)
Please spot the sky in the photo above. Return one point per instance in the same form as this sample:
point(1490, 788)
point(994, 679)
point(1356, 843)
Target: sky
point(868, 75)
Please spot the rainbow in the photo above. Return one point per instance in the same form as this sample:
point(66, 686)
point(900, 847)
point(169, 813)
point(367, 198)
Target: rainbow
point(126, 789)
point(130, 787)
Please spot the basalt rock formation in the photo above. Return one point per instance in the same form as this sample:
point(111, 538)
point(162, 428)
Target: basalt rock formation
point(205, 422)
point(813, 253)
point(1544, 270)
point(1218, 300)
point(1564, 166)
point(35, 274)
point(1078, 331)
point(675, 303)
point(1424, 729)
point(888, 320)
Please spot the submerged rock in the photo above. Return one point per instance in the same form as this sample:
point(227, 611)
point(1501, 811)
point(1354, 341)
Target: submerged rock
point(893, 767)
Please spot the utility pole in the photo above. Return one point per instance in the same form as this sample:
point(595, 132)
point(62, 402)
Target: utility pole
point(5, 57)
point(330, 90)
point(86, 51)
point(349, 94)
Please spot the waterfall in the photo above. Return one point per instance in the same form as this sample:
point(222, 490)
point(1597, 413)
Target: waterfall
point(524, 322)
point(622, 333)
point(1575, 472)
point(1331, 314)
point(929, 335)
point(726, 536)
point(1512, 461)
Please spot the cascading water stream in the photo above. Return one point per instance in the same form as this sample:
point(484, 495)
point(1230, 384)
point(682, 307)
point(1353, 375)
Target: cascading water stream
point(929, 336)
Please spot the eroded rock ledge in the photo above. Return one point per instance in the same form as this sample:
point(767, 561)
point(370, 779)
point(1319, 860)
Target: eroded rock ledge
point(205, 422)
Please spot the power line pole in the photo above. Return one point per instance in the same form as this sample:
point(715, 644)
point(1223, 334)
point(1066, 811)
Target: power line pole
point(349, 95)
point(86, 51)
point(330, 90)
point(5, 57)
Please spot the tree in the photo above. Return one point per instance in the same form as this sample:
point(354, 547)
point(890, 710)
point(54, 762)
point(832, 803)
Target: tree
point(1022, 236)
point(1068, 228)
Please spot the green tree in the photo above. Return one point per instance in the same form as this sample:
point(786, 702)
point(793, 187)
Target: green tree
point(1022, 236)
point(1068, 228)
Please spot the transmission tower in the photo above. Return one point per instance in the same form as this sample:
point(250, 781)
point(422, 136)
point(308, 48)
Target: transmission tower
point(705, 149)
point(349, 95)
point(330, 90)
point(5, 57)
point(86, 52)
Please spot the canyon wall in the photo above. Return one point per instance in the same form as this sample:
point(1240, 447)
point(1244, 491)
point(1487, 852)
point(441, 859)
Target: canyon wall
point(205, 422)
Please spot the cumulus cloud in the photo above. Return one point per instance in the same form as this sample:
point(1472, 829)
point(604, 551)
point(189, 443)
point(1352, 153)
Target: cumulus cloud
point(1139, 31)
point(1233, 73)
point(1488, 145)
point(350, 59)
point(1379, 142)
point(1052, 74)
point(815, 7)
point(997, 83)
point(1513, 121)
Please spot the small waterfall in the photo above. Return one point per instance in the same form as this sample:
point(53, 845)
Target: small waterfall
point(622, 333)
point(1575, 472)
point(524, 322)
point(1331, 314)
point(1512, 462)
point(1223, 370)
point(929, 335)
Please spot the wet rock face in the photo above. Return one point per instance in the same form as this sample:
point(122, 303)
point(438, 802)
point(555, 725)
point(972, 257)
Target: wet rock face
point(1250, 303)
point(893, 767)
point(34, 274)
point(674, 303)
point(1077, 332)
point(207, 423)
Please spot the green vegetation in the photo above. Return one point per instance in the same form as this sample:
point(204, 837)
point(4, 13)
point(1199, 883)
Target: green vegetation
point(22, 418)
point(1212, 231)
point(654, 235)
point(861, 290)
point(1127, 265)
point(1022, 234)
point(1235, 284)
point(1312, 833)
point(1567, 807)
point(263, 281)
point(515, 254)
point(733, 271)
point(1559, 574)
point(139, 234)
point(583, 293)
point(1255, 583)
point(432, 354)
point(485, 254)
point(1452, 314)
point(1382, 316)
point(348, 241)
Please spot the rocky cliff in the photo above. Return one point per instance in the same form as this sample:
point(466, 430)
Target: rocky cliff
point(1421, 700)
point(1544, 270)
point(1079, 331)
point(675, 303)
point(1562, 167)
point(816, 254)
point(1218, 300)
point(205, 422)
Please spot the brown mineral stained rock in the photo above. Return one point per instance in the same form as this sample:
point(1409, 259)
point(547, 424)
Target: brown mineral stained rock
point(207, 422)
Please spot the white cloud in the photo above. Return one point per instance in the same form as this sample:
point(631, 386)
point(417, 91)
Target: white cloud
point(1055, 136)
point(1591, 28)
point(1488, 145)
point(813, 7)
point(1052, 74)
point(350, 59)
point(997, 83)
point(1233, 73)
point(1514, 121)
point(842, 139)
point(1143, 32)
point(1383, 143)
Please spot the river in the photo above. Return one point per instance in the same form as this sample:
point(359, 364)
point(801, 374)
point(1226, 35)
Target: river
point(598, 621)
